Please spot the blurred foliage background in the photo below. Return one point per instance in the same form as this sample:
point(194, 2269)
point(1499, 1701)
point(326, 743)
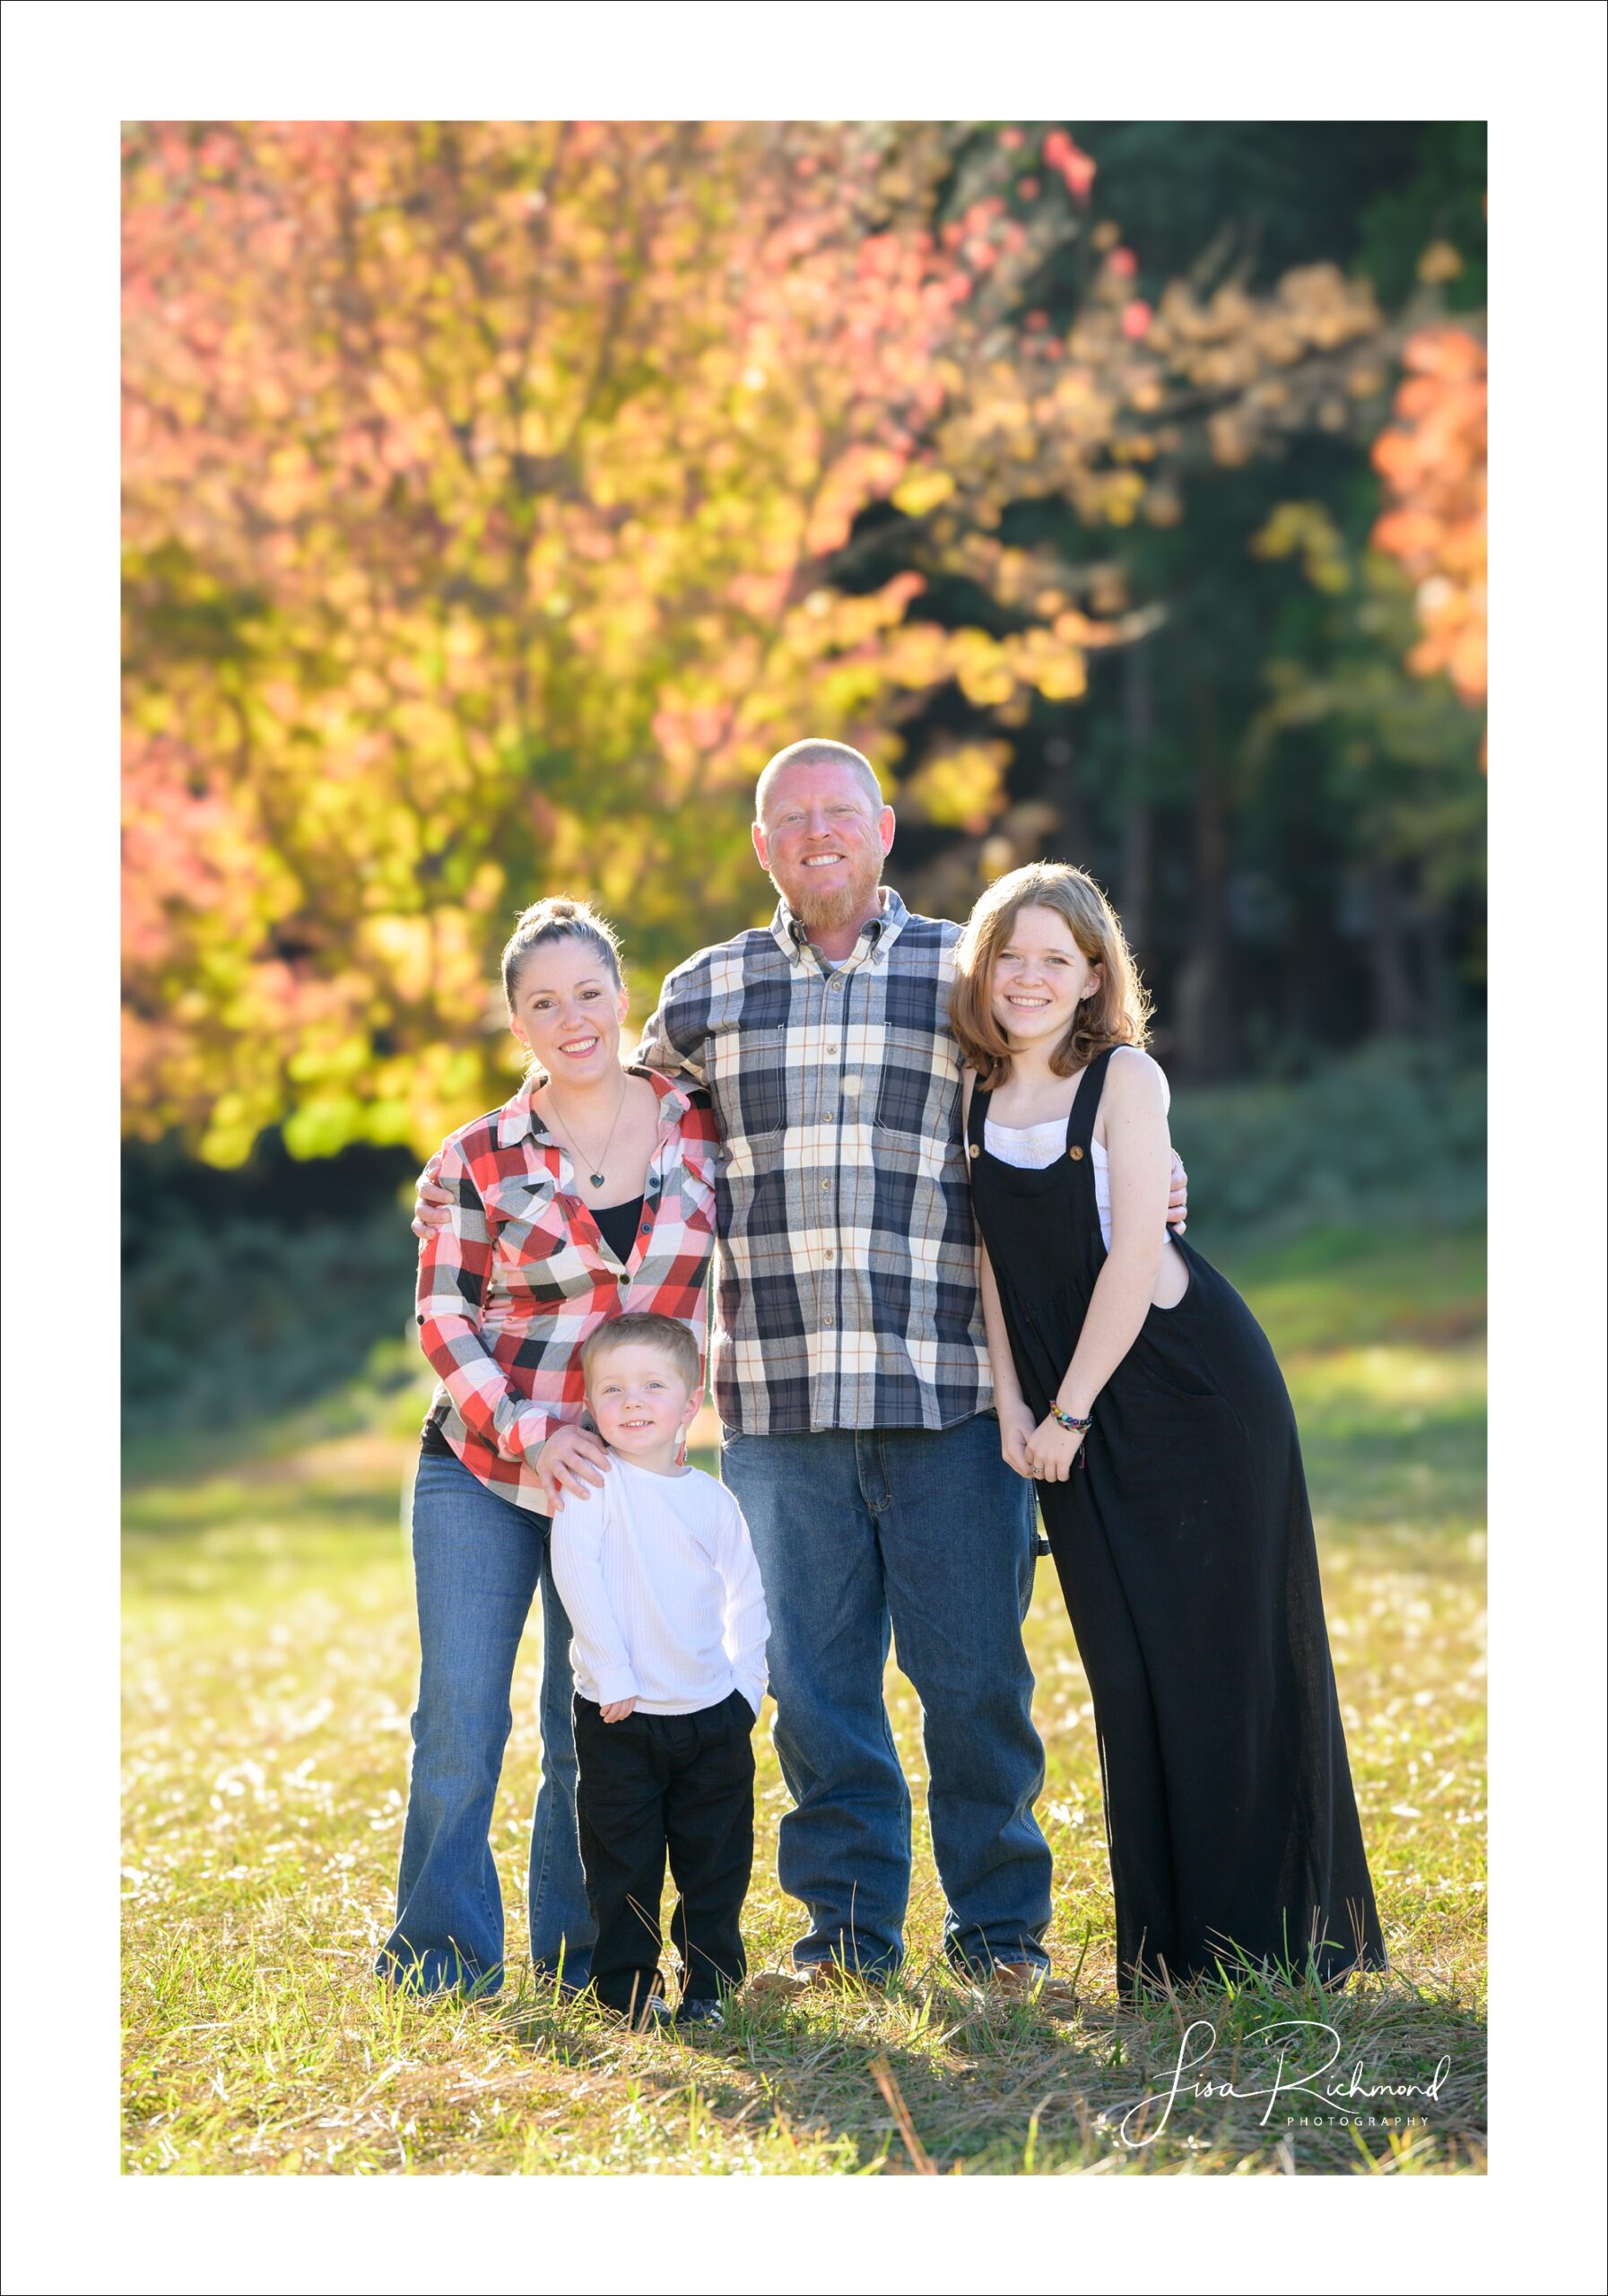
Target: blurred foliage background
point(499, 496)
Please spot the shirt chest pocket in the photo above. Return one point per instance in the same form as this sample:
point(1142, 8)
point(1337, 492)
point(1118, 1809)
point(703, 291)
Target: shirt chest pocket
point(535, 1261)
point(747, 1073)
point(918, 1087)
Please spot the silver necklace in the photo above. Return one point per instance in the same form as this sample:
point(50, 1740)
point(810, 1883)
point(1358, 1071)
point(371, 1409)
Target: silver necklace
point(567, 1132)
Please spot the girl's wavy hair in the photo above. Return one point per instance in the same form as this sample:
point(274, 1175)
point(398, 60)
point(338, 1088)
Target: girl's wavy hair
point(1118, 1012)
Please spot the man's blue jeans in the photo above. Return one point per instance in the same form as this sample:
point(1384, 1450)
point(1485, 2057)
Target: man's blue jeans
point(477, 1563)
point(928, 1536)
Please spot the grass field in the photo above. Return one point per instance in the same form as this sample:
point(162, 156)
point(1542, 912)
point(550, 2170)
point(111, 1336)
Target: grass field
point(270, 1662)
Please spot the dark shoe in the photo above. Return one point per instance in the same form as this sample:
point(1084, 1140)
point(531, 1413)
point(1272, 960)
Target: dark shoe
point(701, 2012)
point(649, 2016)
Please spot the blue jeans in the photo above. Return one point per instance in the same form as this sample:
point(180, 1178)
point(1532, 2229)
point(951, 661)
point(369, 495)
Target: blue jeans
point(928, 1537)
point(477, 1561)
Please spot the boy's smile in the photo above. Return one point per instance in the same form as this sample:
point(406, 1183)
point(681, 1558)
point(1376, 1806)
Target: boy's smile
point(641, 1404)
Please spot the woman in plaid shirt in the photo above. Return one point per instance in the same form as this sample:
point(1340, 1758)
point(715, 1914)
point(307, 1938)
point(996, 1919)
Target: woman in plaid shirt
point(589, 1193)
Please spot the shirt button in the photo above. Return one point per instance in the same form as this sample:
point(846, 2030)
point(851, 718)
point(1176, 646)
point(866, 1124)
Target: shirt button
point(826, 1188)
point(827, 1321)
point(837, 980)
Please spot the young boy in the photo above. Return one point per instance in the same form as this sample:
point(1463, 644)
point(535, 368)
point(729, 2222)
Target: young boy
point(659, 1579)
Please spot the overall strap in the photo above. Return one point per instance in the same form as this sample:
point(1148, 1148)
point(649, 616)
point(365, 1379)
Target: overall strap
point(975, 1122)
point(1085, 1105)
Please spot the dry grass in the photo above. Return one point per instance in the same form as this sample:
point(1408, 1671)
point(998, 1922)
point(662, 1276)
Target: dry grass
point(270, 1665)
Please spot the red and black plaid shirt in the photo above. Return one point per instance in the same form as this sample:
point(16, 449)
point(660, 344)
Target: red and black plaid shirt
point(522, 1273)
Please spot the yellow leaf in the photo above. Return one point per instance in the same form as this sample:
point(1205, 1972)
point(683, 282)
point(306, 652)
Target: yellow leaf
point(922, 492)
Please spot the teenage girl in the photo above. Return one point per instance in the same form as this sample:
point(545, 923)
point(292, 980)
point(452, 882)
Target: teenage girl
point(1136, 1387)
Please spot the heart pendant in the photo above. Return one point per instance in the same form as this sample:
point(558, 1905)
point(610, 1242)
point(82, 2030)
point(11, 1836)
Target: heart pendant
point(597, 1179)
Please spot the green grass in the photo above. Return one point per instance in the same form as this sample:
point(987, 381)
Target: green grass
point(270, 1662)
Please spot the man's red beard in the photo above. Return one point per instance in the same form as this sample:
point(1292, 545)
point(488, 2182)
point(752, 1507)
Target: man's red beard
point(831, 912)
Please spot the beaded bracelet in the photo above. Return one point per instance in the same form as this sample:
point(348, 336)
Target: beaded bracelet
point(1066, 1419)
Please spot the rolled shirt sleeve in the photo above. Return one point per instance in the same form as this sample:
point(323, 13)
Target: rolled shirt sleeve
point(671, 1040)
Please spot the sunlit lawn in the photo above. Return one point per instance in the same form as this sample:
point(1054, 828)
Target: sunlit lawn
point(270, 1664)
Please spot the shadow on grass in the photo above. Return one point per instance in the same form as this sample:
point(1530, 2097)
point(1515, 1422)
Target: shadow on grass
point(937, 2078)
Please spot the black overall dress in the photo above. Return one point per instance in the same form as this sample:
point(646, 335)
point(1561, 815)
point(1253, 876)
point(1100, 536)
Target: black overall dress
point(1184, 1550)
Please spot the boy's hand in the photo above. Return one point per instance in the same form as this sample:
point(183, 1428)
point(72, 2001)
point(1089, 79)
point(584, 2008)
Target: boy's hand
point(618, 1711)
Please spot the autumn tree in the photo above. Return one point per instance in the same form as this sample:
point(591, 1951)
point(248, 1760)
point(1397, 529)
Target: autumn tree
point(1246, 863)
point(497, 497)
point(1432, 459)
point(480, 482)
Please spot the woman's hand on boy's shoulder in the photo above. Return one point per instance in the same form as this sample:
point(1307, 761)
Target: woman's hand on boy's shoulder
point(572, 1458)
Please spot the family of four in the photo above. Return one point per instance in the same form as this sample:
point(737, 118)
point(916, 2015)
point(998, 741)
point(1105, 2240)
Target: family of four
point(933, 1168)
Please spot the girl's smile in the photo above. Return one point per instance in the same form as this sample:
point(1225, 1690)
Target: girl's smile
point(1040, 976)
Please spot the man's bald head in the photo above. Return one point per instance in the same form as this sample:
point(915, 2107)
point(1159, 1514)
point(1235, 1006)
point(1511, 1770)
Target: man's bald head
point(813, 751)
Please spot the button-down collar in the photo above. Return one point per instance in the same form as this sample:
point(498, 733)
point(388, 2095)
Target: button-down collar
point(877, 935)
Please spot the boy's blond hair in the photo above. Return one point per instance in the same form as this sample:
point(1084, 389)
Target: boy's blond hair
point(670, 1336)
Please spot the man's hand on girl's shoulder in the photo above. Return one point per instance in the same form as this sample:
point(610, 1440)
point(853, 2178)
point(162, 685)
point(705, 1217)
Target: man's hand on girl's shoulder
point(1177, 1201)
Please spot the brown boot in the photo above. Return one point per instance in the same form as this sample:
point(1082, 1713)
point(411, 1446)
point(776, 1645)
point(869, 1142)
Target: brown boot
point(795, 1984)
point(1024, 1981)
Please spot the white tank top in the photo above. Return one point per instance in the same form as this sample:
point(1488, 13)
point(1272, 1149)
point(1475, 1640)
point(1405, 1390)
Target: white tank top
point(1031, 1147)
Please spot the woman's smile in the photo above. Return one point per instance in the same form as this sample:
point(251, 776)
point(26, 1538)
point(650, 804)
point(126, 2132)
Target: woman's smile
point(567, 1011)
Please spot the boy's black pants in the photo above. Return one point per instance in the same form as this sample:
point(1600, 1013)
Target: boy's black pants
point(681, 1784)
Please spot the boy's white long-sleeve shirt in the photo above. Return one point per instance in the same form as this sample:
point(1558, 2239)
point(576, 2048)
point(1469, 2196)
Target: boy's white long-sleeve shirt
point(658, 1576)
